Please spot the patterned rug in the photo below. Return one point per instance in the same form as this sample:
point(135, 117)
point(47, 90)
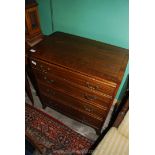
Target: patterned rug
point(51, 136)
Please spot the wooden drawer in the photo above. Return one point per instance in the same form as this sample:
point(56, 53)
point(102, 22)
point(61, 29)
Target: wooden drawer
point(105, 87)
point(73, 89)
point(72, 112)
point(72, 102)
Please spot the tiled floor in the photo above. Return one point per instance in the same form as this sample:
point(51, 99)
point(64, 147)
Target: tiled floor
point(75, 125)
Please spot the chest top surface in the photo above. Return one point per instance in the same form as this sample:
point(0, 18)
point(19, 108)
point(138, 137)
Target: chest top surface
point(83, 55)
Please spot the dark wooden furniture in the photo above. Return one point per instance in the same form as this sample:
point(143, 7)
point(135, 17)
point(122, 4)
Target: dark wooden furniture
point(121, 109)
point(33, 31)
point(77, 76)
point(121, 114)
point(28, 89)
point(27, 85)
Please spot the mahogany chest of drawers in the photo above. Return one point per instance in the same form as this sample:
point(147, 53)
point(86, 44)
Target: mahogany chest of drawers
point(78, 77)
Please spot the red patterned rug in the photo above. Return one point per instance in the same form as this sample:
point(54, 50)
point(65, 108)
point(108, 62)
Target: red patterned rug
point(51, 136)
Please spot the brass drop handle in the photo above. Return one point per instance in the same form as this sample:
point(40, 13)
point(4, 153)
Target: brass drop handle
point(88, 109)
point(44, 71)
point(40, 68)
point(45, 78)
point(49, 81)
point(91, 86)
point(89, 97)
point(50, 91)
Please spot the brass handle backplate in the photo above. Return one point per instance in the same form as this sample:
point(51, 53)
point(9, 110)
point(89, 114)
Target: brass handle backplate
point(92, 87)
point(49, 81)
point(51, 92)
point(89, 97)
point(88, 109)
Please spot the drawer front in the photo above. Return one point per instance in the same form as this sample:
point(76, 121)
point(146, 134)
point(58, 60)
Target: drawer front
point(74, 90)
point(72, 112)
point(72, 102)
point(80, 79)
